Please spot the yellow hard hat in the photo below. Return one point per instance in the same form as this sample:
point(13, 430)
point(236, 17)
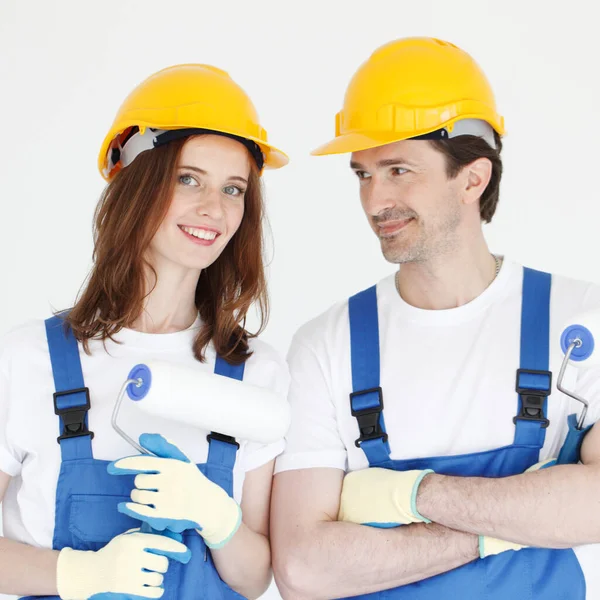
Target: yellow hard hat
point(414, 87)
point(182, 100)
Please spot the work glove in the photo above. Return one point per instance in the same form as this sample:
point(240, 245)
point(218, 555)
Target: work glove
point(488, 546)
point(129, 567)
point(171, 493)
point(381, 497)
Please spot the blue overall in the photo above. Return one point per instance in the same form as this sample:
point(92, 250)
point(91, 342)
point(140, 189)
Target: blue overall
point(529, 573)
point(87, 496)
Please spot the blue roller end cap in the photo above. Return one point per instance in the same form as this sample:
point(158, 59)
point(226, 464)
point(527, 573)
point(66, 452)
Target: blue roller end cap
point(143, 373)
point(573, 332)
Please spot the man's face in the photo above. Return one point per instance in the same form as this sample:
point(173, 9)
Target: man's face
point(413, 207)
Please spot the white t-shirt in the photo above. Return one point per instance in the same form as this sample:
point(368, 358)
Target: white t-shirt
point(29, 428)
point(448, 380)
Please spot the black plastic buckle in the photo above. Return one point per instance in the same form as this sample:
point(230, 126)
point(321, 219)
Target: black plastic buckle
point(368, 418)
point(213, 435)
point(532, 400)
point(73, 417)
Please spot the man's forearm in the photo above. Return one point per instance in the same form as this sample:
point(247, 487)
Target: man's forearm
point(554, 508)
point(336, 560)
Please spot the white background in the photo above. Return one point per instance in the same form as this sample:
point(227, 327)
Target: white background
point(65, 66)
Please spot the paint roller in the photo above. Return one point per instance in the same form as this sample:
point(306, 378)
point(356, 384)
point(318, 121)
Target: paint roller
point(578, 343)
point(204, 400)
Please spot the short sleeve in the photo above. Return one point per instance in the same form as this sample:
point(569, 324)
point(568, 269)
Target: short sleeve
point(313, 439)
point(9, 461)
point(267, 368)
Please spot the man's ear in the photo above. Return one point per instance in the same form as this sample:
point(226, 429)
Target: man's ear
point(477, 176)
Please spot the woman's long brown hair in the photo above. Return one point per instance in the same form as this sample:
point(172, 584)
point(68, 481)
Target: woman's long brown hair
point(127, 217)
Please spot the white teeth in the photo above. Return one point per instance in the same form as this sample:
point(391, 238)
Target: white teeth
point(202, 234)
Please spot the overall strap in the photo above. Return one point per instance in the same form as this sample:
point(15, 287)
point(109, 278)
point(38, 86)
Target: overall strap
point(71, 398)
point(366, 399)
point(534, 380)
point(222, 449)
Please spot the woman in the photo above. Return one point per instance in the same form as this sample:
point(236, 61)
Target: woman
point(177, 265)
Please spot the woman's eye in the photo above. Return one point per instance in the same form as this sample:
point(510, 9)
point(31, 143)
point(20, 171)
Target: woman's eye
point(187, 180)
point(233, 190)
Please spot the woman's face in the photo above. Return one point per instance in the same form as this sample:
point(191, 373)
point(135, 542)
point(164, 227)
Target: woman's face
point(207, 205)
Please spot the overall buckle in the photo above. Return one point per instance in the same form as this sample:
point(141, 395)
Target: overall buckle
point(228, 439)
point(73, 417)
point(368, 418)
point(532, 400)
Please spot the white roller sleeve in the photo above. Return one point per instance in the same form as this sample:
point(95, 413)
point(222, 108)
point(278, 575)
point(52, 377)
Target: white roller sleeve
point(214, 402)
point(585, 327)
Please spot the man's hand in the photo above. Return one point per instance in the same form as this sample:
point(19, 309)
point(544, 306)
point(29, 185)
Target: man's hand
point(381, 497)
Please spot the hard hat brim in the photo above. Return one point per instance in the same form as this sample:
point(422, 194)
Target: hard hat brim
point(354, 142)
point(274, 158)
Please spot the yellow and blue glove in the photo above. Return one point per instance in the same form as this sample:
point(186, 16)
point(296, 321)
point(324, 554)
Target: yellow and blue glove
point(381, 497)
point(386, 498)
point(129, 567)
point(171, 493)
point(489, 546)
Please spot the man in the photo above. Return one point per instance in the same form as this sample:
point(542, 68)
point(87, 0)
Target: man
point(410, 386)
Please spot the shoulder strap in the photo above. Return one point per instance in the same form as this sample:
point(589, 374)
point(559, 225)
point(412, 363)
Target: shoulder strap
point(534, 380)
point(366, 399)
point(222, 449)
point(71, 398)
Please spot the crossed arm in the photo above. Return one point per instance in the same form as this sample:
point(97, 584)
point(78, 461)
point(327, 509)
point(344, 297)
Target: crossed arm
point(551, 508)
point(316, 556)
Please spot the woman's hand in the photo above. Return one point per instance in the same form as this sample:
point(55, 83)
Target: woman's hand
point(171, 493)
